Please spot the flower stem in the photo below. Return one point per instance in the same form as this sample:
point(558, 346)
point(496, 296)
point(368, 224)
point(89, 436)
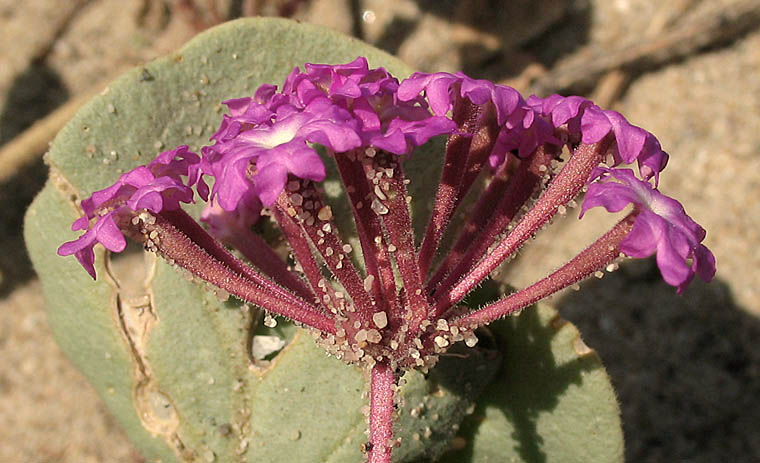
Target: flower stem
point(445, 198)
point(187, 226)
point(509, 195)
point(478, 219)
point(392, 195)
point(316, 222)
point(466, 154)
point(565, 186)
point(299, 244)
point(382, 384)
point(594, 258)
point(377, 259)
point(184, 252)
point(261, 255)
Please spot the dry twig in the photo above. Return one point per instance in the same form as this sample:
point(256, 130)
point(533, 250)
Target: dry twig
point(612, 84)
point(711, 26)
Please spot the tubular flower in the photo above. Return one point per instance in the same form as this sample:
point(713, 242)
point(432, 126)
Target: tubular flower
point(155, 188)
point(223, 224)
point(661, 226)
point(262, 157)
point(270, 136)
point(580, 120)
point(401, 308)
point(518, 128)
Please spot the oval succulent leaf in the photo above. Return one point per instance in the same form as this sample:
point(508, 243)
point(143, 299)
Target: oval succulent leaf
point(551, 400)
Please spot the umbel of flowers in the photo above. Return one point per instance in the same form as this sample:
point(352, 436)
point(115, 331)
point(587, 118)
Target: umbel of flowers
point(398, 311)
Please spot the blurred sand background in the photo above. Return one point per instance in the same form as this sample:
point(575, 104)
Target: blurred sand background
point(686, 368)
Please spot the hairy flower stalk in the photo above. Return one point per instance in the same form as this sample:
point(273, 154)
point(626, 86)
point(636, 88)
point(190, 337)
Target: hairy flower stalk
point(560, 191)
point(508, 191)
point(398, 307)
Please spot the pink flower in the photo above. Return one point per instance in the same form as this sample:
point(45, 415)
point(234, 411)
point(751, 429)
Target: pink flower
point(266, 138)
point(518, 127)
point(585, 122)
point(661, 227)
point(397, 311)
point(277, 149)
point(156, 187)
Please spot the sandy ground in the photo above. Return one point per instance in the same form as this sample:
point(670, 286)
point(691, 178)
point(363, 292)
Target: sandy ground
point(687, 369)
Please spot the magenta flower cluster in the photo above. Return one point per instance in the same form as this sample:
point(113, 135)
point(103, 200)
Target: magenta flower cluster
point(156, 187)
point(338, 107)
point(273, 135)
point(399, 310)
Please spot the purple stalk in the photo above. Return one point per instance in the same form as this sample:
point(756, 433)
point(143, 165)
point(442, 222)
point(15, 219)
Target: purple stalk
point(447, 196)
point(299, 244)
point(481, 146)
point(322, 232)
point(376, 256)
point(391, 190)
point(509, 196)
point(263, 257)
point(176, 246)
point(565, 186)
point(196, 234)
point(382, 384)
point(594, 258)
point(478, 219)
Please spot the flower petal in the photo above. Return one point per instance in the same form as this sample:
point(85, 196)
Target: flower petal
point(661, 225)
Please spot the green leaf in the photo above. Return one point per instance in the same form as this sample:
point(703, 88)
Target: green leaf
point(83, 314)
point(551, 401)
point(171, 361)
